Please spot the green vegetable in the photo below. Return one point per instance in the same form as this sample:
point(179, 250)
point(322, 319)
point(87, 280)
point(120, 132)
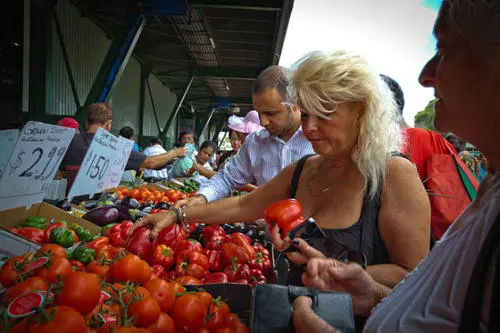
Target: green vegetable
point(106, 227)
point(83, 234)
point(62, 236)
point(84, 254)
point(105, 203)
point(35, 222)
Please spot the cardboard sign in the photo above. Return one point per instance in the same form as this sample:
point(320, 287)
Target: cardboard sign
point(103, 164)
point(33, 163)
point(8, 139)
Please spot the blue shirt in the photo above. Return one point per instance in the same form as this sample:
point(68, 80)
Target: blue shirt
point(260, 159)
point(135, 147)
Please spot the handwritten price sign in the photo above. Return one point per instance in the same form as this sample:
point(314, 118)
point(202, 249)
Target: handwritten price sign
point(8, 139)
point(103, 164)
point(33, 163)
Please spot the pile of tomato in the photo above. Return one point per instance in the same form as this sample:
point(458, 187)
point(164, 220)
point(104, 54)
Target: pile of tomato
point(119, 292)
point(144, 194)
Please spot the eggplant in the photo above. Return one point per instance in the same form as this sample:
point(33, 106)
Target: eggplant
point(110, 197)
point(227, 227)
point(89, 204)
point(64, 205)
point(102, 215)
point(132, 203)
point(235, 228)
point(146, 210)
point(251, 231)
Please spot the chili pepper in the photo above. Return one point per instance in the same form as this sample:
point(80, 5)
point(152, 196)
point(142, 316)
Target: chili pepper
point(34, 234)
point(217, 277)
point(188, 245)
point(237, 245)
point(215, 243)
point(35, 222)
point(236, 271)
point(106, 228)
point(286, 213)
point(51, 227)
point(98, 243)
point(118, 233)
point(214, 259)
point(84, 254)
point(162, 255)
point(261, 262)
point(140, 243)
point(211, 231)
point(62, 236)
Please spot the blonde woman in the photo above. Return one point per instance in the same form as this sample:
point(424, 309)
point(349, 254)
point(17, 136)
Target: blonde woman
point(369, 205)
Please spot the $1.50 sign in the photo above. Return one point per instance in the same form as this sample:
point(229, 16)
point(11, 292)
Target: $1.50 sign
point(33, 163)
point(103, 164)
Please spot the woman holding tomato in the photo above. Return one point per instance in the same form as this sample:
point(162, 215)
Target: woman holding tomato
point(367, 203)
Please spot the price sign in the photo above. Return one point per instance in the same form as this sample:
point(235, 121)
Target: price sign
point(33, 163)
point(103, 164)
point(8, 140)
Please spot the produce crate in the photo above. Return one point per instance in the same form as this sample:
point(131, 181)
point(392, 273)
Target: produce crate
point(237, 296)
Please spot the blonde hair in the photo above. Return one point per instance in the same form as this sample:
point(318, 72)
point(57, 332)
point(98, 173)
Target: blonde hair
point(320, 80)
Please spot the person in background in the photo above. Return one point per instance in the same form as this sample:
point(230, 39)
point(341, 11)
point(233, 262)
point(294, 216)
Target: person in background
point(456, 142)
point(185, 137)
point(155, 148)
point(100, 115)
point(239, 128)
point(266, 152)
point(465, 75)
point(202, 160)
point(128, 133)
point(70, 123)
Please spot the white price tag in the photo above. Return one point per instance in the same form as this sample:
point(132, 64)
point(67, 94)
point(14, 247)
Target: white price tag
point(33, 163)
point(8, 139)
point(103, 164)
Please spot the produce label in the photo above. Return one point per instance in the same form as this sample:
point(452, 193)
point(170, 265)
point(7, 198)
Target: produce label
point(35, 264)
point(25, 304)
point(107, 318)
point(33, 163)
point(103, 164)
point(104, 297)
point(8, 139)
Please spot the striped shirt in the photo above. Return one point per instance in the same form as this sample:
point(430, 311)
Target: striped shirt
point(260, 159)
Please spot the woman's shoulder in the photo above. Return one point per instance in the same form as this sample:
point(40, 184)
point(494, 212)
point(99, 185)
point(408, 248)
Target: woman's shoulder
point(398, 165)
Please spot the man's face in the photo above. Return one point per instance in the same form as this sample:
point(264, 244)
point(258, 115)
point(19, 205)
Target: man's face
point(187, 138)
point(274, 116)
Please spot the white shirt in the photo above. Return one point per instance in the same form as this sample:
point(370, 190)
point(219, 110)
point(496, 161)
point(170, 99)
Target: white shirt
point(260, 159)
point(431, 298)
point(151, 151)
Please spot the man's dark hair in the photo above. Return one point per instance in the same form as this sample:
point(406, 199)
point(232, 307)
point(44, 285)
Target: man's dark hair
point(399, 97)
point(127, 132)
point(274, 77)
point(99, 113)
point(155, 141)
point(207, 144)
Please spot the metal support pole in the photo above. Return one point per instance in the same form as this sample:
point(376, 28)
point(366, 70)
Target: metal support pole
point(210, 115)
point(142, 99)
point(178, 104)
point(153, 105)
point(220, 126)
point(64, 51)
point(221, 141)
point(113, 65)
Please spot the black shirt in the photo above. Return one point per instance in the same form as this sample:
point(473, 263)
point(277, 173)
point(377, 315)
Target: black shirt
point(79, 146)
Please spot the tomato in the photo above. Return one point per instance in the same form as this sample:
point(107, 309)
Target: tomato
point(146, 311)
point(130, 268)
point(234, 322)
point(93, 318)
point(224, 330)
point(164, 324)
point(218, 314)
point(135, 292)
point(65, 320)
point(102, 271)
point(57, 268)
point(189, 312)
point(163, 292)
point(178, 288)
point(31, 284)
point(51, 249)
point(81, 291)
point(186, 279)
point(113, 327)
point(77, 266)
point(10, 271)
point(108, 251)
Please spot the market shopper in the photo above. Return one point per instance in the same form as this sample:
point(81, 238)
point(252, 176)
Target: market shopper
point(445, 292)
point(185, 137)
point(201, 162)
point(101, 115)
point(366, 202)
point(155, 148)
point(128, 133)
point(266, 152)
point(70, 123)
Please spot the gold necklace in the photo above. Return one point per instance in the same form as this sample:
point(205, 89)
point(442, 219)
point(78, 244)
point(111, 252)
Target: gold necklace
point(325, 189)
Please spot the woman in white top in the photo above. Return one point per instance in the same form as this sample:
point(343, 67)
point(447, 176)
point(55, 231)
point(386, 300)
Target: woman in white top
point(465, 75)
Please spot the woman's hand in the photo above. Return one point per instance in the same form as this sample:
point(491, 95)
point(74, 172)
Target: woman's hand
point(155, 221)
point(304, 253)
point(305, 320)
point(333, 275)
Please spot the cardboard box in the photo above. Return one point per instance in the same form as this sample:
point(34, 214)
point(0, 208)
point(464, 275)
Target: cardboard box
point(17, 245)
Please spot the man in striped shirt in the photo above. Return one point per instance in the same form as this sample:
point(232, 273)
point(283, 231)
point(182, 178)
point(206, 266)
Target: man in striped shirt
point(266, 152)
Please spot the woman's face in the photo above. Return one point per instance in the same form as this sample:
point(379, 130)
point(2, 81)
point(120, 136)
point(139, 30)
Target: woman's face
point(466, 83)
point(337, 135)
point(204, 155)
point(236, 141)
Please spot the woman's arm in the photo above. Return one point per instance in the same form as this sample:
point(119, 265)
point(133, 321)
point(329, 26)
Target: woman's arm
point(202, 170)
point(404, 222)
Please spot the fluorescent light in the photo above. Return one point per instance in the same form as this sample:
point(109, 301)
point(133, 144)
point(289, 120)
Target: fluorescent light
point(212, 42)
point(227, 87)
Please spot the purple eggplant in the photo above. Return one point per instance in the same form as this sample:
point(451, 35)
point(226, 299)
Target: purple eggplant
point(102, 215)
point(64, 205)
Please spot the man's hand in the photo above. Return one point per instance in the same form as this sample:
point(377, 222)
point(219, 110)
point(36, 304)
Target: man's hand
point(180, 152)
point(195, 200)
point(305, 320)
point(333, 275)
point(156, 221)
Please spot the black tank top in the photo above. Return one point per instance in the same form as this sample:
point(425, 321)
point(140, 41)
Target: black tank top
point(362, 237)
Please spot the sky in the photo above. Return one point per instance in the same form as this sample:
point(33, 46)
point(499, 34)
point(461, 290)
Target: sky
point(394, 36)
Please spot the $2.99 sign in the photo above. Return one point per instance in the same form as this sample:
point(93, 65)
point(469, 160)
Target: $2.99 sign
point(102, 165)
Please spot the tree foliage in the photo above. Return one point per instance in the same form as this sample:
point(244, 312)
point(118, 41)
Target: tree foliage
point(425, 118)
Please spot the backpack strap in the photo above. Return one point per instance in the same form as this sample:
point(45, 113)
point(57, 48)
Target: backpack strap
point(296, 175)
point(471, 312)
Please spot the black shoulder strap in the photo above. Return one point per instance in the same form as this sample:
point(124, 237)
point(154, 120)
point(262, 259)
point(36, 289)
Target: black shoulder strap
point(296, 175)
point(471, 312)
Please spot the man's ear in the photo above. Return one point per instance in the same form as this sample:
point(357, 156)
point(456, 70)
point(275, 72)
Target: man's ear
point(107, 125)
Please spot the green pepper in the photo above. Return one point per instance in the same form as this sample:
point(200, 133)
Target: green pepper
point(106, 227)
point(83, 234)
point(35, 222)
point(62, 236)
point(84, 254)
